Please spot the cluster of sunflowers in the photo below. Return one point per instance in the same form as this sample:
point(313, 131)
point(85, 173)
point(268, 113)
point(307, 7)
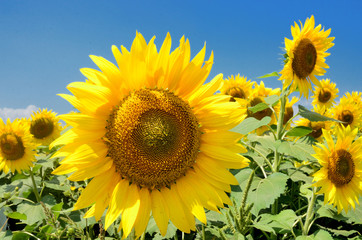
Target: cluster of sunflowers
point(150, 139)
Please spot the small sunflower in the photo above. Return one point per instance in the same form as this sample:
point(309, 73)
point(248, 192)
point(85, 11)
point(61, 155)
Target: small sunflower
point(355, 97)
point(325, 94)
point(152, 137)
point(258, 94)
point(341, 166)
point(16, 146)
point(305, 56)
point(348, 112)
point(45, 126)
point(237, 87)
point(317, 127)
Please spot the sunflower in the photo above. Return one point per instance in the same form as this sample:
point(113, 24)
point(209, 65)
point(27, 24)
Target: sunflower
point(325, 94)
point(237, 87)
point(45, 126)
point(16, 146)
point(152, 137)
point(316, 126)
point(355, 97)
point(305, 56)
point(341, 166)
point(258, 94)
point(348, 112)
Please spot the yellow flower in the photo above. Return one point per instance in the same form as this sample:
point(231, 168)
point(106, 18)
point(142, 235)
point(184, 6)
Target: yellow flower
point(317, 127)
point(258, 94)
point(152, 137)
point(355, 97)
point(341, 166)
point(16, 146)
point(325, 94)
point(237, 87)
point(305, 56)
point(45, 126)
point(348, 112)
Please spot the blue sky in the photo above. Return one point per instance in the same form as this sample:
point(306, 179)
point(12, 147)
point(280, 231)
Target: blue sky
point(43, 44)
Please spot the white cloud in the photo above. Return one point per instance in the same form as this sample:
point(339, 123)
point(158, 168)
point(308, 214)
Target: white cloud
point(14, 113)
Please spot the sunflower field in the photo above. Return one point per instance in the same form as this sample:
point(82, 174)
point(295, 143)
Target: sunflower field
point(151, 151)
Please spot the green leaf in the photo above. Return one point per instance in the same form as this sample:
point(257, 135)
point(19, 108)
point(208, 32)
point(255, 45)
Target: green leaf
point(7, 235)
point(311, 237)
point(301, 151)
point(273, 74)
point(34, 212)
point(16, 215)
point(20, 236)
point(313, 116)
point(299, 131)
point(57, 208)
point(280, 223)
point(250, 124)
point(271, 100)
point(267, 191)
point(322, 234)
point(259, 107)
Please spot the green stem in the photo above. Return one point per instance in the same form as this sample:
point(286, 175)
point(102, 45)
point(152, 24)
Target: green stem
point(310, 213)
point(203, 232)
point(35, 189)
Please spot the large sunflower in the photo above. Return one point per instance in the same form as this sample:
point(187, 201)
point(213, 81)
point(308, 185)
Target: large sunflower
point(45, 126)
point(305, 56)
point(325, 94)
point(16, 146)
point(152, 137)
point(340, 175)
point(237, 87)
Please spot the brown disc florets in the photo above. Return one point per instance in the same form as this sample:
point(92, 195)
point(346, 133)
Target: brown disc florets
point(324, 95)
point(341, 167)
point(235, 92)
point(305, 58)
point(41, 128)
point(12, 147)
point(346, 116)
point(153, 138)
point(316, 129)
point(289, 113)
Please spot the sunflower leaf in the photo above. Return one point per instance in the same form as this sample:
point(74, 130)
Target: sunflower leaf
point(250, 124)
point(267, 191)
point(273, 74)
point(259, 107)
point(299, 131)
point(313, 116)
point(272, 100)
point(16, 215)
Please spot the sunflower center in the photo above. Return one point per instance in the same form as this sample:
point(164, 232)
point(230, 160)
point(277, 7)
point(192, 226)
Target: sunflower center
point(41, 128)
point(260, 114)
point(153, 138)
point(305, 58)
point(346, 116)
point(11, 146)
point(324, 96)
point(316, 129)
point(235, 92)
point(340, 167)
point(289, 113)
